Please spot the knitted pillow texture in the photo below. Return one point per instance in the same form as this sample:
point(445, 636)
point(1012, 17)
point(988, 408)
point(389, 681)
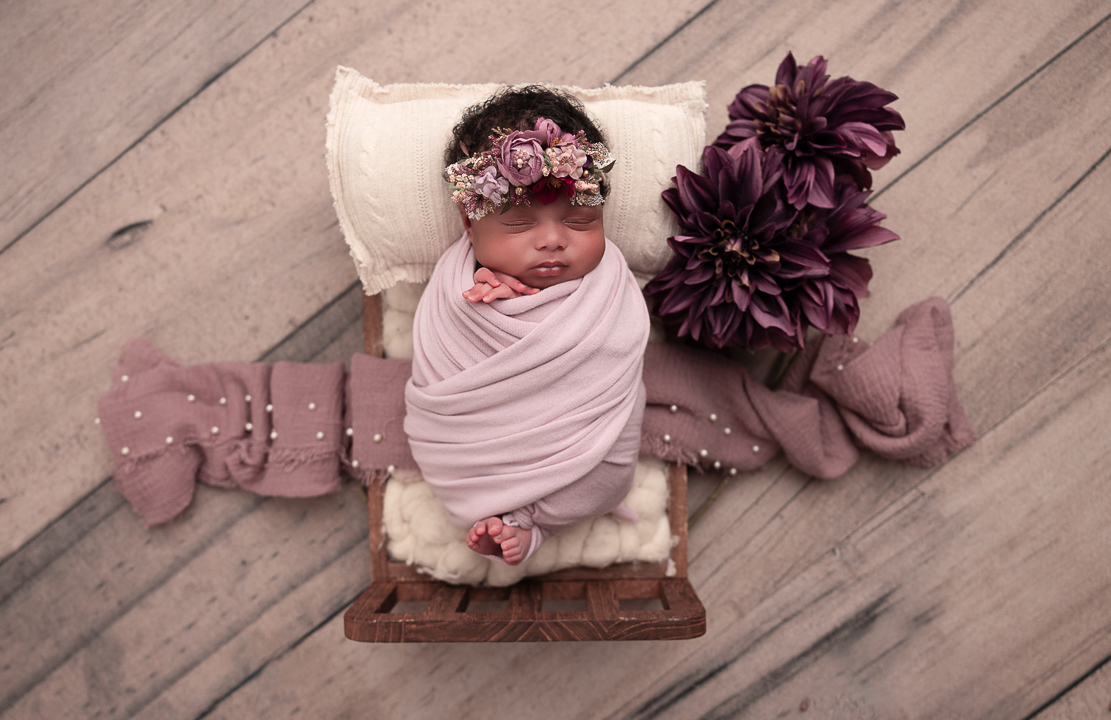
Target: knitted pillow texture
point(385, 164)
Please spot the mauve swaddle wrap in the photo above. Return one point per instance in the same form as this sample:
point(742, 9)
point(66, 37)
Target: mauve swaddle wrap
point(512, 401)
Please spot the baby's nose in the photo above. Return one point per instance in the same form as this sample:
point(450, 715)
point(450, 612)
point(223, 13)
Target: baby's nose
point(550, 238)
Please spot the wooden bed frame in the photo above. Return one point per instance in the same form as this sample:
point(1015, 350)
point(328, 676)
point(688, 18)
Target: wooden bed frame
point(628, 601)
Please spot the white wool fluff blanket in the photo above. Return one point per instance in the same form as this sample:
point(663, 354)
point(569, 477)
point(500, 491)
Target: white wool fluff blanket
point(514, 400)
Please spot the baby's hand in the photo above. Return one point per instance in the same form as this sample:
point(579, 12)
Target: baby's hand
point(490, 285)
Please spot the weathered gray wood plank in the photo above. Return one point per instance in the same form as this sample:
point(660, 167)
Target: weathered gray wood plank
point(112, 632)
point(1089, 700)
point(956, 212)
point(771, 557)
point(941, 58)
point(215, 236)
point(967, 599)
point(84, 81)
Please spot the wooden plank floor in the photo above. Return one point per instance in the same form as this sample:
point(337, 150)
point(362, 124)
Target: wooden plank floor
point(163, 177)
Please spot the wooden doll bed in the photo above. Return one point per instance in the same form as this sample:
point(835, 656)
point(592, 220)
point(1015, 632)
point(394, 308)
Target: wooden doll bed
point(628, 601)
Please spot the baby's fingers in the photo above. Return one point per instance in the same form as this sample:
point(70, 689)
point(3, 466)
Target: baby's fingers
point(477, 293)
point(502, 292)
point(516, 284)
point(486, 275)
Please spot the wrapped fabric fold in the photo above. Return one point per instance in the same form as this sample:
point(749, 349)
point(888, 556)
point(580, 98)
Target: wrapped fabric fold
point(170, 426)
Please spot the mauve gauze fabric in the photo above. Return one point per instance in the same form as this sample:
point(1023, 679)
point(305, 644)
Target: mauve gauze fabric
point(895, 397)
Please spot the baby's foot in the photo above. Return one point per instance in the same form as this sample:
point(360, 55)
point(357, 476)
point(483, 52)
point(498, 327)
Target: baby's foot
point(480, 537)
point(515, 542)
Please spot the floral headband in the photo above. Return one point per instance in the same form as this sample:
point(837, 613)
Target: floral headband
point(543, 163)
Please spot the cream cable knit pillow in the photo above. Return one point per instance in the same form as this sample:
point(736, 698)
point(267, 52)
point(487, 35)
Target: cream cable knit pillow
point(385, 163)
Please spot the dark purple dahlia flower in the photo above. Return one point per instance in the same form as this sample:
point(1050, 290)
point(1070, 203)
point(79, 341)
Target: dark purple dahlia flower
point(823, 128)
point(829, 302)
point(736, 257)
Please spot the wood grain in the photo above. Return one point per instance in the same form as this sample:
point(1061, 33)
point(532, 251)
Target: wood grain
point(215, 236)
point(976, 590)
point(786, 538)
point(84, 82)
point(1089, 699)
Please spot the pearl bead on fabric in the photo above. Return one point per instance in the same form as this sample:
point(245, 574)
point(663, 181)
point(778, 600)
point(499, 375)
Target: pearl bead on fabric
point(125, 451)
point(354, 463)
point(319, 435)
point(713, 417)
point(377, 437)
point(215, 430)
point(273, 434)
point(312, 406)
point(223, 401)
point(191, 398)
point(350, 432)
point(667, 438)
point(169, 440)
point(269, 408)
point(727, 431)
point(138, 414)
point(755, 448)
point(703, 453)
point(674, 408)
point(246, 398)
point(125, 378)
point(249, 427)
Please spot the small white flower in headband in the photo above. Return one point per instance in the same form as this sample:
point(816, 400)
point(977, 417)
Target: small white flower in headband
point(542, 163)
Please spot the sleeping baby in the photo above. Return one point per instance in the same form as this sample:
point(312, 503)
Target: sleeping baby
point(526, 400)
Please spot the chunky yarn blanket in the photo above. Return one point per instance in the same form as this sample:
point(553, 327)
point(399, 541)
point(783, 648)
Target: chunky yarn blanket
point(512, 401)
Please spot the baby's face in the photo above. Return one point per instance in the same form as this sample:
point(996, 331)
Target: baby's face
point(540, 245)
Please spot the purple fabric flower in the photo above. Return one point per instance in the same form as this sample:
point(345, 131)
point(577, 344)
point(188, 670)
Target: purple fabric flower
point(823, 128)
point(522, 157)
point(551, 131)
point(490, 185)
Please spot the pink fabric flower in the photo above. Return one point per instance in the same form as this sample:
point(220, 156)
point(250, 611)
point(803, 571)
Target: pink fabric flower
point(490, 186)
point(567, 161)
point(551, 131)
point(522, 157)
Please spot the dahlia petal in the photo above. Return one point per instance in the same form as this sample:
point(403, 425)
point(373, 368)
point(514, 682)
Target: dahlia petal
point(851, 273)
point(863, 135)
point(785, 75)
point(866, 238)
point(821, 190)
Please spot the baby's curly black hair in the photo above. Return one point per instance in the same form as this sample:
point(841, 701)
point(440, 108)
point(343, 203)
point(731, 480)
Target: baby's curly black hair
point(517, 108)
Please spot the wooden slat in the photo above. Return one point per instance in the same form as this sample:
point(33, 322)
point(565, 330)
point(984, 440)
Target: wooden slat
point(524, 619)
point(1090, 698)
point(84, 81)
